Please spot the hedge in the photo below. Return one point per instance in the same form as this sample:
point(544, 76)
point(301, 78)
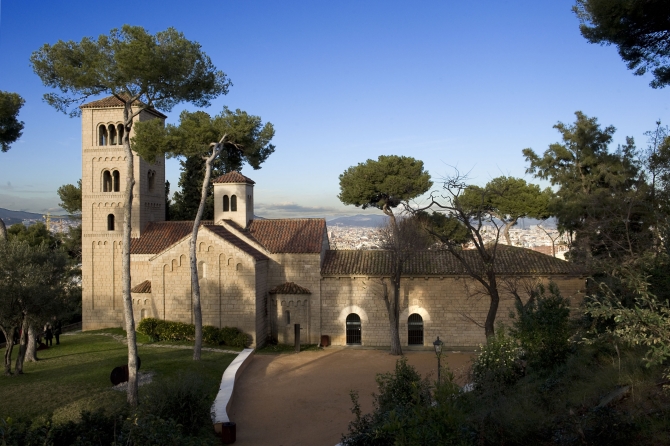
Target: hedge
point(160, 330)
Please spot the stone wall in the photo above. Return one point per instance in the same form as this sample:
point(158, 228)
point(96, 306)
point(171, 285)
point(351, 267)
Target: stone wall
point(451, 307)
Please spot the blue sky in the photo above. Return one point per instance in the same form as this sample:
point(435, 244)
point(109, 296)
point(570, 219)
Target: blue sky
point(466, 84)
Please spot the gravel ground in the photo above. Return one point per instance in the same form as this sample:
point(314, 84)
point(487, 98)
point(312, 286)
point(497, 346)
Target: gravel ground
point(303, 399)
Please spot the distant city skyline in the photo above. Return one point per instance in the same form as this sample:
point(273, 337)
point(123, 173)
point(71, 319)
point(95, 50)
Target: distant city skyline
point(452, 84)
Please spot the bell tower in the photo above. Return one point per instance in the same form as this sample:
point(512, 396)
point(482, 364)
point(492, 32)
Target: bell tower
point(234, 199)
point(103, 182)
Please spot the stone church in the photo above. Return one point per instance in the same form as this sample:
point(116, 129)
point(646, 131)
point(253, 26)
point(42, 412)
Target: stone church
point(264, 276)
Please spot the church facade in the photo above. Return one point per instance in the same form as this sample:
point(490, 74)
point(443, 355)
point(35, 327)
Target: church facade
point(264, 276)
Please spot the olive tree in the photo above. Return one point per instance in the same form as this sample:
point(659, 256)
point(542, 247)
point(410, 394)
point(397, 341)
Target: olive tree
point(143, 71)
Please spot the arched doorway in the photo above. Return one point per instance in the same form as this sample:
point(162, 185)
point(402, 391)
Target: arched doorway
point(415, 329)
point(353, 329)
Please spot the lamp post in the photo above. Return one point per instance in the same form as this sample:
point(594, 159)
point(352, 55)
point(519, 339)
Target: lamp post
point(438, 352)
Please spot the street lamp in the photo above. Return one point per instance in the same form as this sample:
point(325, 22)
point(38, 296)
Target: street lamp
point(438, 352)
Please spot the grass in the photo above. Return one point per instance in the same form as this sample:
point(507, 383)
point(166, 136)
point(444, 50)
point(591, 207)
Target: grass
point(74, 376)
point(285, 348)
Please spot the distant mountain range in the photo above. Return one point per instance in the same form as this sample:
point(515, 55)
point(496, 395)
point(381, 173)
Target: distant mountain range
point(360, 220)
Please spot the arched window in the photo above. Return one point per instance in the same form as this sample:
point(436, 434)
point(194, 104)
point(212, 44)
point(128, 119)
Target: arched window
point(112, 135)
point(106, 181)
point(202, 270)
point(120, 132)
point(353, 329)
point(150, 180)
point(102, 135)
point(117, 181)
point(233, 203)
point(143, 314)
point(226, 203)
point(415, 329)
point(110, 222)
point(287, 317)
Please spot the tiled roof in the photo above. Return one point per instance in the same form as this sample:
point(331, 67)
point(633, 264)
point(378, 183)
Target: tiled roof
point(159, 236)
point(114, 102)
point(144, 287)
point(509, 260)
point(233, 177)
point(289, 288)
point(236, 241)
point(300, 236)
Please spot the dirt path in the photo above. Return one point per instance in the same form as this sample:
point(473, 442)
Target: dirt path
point(303, 399)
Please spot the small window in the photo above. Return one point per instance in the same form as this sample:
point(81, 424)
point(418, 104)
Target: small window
point(120, 133)
point(110, 222)
point(151, 175)
point(202, 270)
point(287, 317)
point(112, 135)
point(233, 203)
point(106, 181)
point(226, 203)
point(102, 135)
point(117, 181)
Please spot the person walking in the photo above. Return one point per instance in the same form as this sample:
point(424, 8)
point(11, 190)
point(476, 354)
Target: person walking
point(48, 335)
point(58, 329)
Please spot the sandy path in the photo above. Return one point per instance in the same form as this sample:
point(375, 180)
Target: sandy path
point(303, 399)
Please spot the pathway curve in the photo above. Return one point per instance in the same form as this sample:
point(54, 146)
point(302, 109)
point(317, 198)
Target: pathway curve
point(303, 399)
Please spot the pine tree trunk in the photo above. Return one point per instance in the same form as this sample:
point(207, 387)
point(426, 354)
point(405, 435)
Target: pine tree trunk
point(195, 282)
point(9, 347)
point(125, 263)
point(508, 226)
point(23, 346)
point(3, 231)
point(394, 319)
point(31, 353)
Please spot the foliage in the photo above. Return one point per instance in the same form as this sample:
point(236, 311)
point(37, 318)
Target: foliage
point(160, 330)
point(184, 398)
point(542, 327)
point(639, 29)
point(406, 412)
point(498, 363)
point(70, 196)
point(35, 235)
point(161, 70)
point(11, 128)
point(247, 140)
point(385, 183)
point(601, 199)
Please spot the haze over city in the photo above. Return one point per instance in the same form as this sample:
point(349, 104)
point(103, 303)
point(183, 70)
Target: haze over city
point(452, 84)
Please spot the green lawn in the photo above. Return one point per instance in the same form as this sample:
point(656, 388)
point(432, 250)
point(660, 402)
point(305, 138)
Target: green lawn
point(75, 375)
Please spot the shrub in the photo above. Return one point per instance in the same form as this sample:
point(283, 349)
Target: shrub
point(542, 327)
point(499, 363)
point(159, 330)
point(183, 399)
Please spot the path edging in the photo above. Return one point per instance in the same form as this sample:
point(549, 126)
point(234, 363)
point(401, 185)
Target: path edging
point(224, 398)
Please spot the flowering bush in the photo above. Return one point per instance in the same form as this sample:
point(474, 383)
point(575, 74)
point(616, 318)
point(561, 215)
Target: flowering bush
point(499, 361)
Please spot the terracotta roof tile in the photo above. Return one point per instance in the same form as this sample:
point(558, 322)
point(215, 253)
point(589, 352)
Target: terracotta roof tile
point(159, 236)
point(299, 236)
point(144, 287)
point(114, 102)
point(233, 177)
point(289, 288)
point(509, 260)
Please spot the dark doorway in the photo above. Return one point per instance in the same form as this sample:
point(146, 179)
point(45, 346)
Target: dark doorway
point(353, 329)
point(415, 329)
